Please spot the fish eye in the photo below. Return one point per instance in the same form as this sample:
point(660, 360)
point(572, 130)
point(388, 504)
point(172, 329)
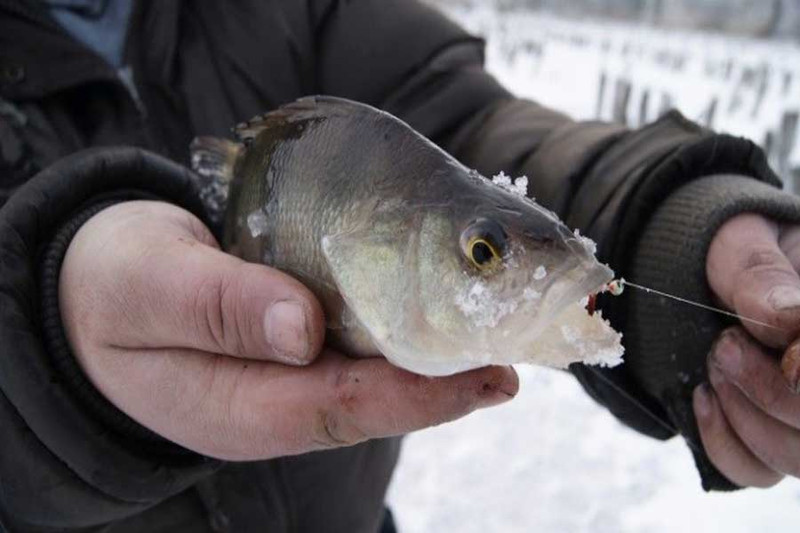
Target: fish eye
point(483, 244)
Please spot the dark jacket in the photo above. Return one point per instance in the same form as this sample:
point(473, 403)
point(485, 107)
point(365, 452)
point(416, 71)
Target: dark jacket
point(70, 461)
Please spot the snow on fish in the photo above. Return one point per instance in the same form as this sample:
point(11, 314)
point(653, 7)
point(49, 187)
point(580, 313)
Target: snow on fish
point(412, 255)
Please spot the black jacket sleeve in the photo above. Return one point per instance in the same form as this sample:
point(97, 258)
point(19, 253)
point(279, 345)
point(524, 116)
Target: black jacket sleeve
point(408, 59)
point(55, 424)
point(652, 198)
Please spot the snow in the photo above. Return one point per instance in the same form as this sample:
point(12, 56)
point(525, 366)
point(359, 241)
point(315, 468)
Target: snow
point(531, 294)
point(540, 273)
point(552, 460)
point(484, 308)
point(517, 186)
point(258, 223)
point(588, 243)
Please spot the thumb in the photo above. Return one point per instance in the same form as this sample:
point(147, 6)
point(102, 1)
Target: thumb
point(752, 276)
point(169, 286)
point(225, 305)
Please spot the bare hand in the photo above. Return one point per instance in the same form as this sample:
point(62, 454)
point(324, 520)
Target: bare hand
point(749, 418)
point(224, 357)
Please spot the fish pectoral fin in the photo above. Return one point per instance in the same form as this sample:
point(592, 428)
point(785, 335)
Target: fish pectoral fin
point(368, 270)
point(215, 158)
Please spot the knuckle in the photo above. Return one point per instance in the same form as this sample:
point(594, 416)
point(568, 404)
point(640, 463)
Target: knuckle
point(761, 381)
point(336, 426)
point(764, 263)
point(329, 430)
point(760, 258)
point(215, 315)
point(335, 429)
point(767, 394)
point(720, 448)
point(770, 454)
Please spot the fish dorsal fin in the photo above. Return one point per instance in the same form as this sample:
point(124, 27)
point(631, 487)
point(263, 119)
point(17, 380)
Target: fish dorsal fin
point(215, 158)
point(305, 109)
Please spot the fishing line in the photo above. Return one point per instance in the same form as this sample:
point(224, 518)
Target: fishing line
point(616, 288)
point(625, 283)
point(643, 408)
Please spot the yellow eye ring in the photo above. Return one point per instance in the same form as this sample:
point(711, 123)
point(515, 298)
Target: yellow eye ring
point(484, 244)
point(482, 254)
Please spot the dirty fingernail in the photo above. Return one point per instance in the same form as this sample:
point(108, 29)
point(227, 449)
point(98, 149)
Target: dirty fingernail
point(728, 354)
point(785, 298)
point(500, 390)
point(286, 331)
point(702, 401)
point(790, 366)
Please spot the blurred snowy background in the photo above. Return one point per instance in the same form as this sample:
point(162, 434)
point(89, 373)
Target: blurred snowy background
point(552, 460)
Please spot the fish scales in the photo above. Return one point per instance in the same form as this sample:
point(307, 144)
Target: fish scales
point(412, 255)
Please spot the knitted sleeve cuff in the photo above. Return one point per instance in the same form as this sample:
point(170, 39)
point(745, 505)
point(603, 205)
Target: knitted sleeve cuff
point(82, 459)
point(668, 341)
point(75, 381)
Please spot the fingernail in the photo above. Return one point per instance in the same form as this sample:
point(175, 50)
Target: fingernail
point(497, 391)
point(785, 297)
point(790, 366)
point(728, 354)
point(285, 328)
point(702, 401)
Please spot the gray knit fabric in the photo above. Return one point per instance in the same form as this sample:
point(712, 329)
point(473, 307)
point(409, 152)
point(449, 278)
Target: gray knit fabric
point(668, 341)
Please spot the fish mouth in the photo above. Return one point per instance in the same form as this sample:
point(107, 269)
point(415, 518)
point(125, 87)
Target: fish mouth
point(591, 305)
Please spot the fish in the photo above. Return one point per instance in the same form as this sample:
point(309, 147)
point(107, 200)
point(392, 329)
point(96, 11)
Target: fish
point(412, 255)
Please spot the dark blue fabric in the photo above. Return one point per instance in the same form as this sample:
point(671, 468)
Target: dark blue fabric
point(101, 25)
point(388, 525)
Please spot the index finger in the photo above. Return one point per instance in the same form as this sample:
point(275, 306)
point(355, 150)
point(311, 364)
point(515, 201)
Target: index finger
point(371, 398)
point(750, 274)
point(240, 410)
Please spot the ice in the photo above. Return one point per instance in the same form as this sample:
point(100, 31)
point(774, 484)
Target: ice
point(502, 180)
point(521, 185)
point(588, 243)
point(258, 223)
point(571, 334)
point(607, 356)
point(517, 186)
point(483, 307)
point(215, 197)
point(531, 294)
point(540, 273)
point(213, 191)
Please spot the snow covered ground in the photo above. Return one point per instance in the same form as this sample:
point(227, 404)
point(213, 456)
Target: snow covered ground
point(552, 460)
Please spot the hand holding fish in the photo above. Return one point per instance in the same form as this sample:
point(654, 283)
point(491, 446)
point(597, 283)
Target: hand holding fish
point(225, 358)
point(749, 418)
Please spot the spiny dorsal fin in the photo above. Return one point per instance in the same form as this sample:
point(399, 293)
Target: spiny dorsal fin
point(215, 158)
point(308, 108)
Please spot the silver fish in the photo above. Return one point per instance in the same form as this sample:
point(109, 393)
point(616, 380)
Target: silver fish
point(412, 255)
